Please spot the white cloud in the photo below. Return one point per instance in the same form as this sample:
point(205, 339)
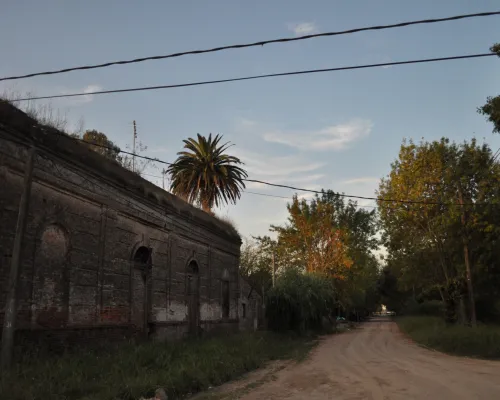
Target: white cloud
point(386, 59)
point(81, 99)
point(90, 89)
point(255, 185)
point(366, 180)
point(303, 28)
point(245, 122)
point(284, 179)
point(258, 164)
point(334, 137)
point(302, 195)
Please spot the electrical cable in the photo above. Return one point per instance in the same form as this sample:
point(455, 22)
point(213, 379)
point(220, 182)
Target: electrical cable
point(302, 189)
point(246, 78)
point(255, 44)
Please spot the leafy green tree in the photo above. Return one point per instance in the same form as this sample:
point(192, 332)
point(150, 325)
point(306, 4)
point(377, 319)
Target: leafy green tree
point(437, 240)
point(492, 107)
point(205, 175)
point(311, 237)
point(99, 142)
point(335, 238)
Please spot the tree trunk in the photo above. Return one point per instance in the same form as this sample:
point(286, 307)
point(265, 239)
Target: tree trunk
point(470, 289)
point(461, 314)
point(441, 294)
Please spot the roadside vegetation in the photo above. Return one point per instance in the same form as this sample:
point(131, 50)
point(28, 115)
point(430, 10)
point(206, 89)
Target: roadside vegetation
point(442, 270)
point(129, 371)
point(433, 332)
point(322, 263)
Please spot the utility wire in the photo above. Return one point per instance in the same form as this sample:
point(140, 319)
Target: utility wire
point(249, 192)
point(246, 78)
point(287, 186)
point(288, 197)
point(497, 153)
point(349, 196)
point(255, 44)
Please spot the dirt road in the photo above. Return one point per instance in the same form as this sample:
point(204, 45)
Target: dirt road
point(377, 362)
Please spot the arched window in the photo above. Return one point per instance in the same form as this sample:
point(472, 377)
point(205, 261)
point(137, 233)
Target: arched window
point(50, 285)
point(54, 243)
point(192, 295)
point(142, 259)
point(141, 288)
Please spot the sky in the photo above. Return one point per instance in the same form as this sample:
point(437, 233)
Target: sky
point(337, 130)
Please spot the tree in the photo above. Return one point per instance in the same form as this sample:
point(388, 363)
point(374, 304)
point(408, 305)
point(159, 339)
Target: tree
point(256, 263)
point(330, 237)
point(437, 240)
point(311, 238)
point(100, 143)
point(492, 107)
point(205, 175)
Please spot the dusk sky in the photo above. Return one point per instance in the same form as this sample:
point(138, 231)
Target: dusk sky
point(338, 130)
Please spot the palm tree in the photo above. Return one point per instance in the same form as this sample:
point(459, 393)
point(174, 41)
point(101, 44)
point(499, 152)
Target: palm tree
point(203, 174)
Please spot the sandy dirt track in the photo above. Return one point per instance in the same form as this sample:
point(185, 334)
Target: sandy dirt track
point(376, 361)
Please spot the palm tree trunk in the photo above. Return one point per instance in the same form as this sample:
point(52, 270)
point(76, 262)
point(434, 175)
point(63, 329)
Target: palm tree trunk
point(206, 207)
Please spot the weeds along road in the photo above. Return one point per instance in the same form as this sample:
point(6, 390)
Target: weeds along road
point(378, 362)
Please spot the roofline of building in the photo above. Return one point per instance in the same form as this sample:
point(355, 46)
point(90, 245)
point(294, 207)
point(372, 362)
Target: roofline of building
point(31, 132)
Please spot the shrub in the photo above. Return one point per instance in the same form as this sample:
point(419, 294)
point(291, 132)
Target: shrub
point(299, 302)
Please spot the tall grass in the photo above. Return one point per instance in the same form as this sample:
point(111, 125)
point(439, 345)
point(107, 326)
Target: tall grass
point(299, 302)
point(482, 342)
point(132, 371)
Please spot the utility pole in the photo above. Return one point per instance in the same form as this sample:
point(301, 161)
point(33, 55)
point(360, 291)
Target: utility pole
point(163, 172)
point(9, 323)
point(133, 147)
point(468, 273)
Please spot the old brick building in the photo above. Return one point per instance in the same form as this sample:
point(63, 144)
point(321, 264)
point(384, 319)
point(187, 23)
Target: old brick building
point(106, 252)
point(251, 312)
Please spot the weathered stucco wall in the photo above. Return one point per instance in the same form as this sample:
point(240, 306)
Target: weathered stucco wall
point(99, 253)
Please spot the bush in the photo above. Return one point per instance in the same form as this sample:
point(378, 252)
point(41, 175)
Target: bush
point(132, 371)
point(299, 302)
point(483, 341)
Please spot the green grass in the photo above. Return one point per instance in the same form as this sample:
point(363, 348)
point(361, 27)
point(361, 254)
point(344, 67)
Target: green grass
point(480, 342)
point(131, 371)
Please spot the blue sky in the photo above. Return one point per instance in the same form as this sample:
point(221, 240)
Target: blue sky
point(338, 130)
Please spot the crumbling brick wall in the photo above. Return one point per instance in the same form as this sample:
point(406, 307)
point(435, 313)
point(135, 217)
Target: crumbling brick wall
point(104, 247)
point(251, 311)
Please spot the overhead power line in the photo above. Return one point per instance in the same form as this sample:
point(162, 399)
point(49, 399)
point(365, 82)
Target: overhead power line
point(246, 78)
point(350, 196)
point(254, 44)
point(290, 197)
point(495, 156)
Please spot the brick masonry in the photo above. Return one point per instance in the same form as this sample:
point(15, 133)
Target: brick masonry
point(105, 248)
point(251, 310)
